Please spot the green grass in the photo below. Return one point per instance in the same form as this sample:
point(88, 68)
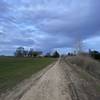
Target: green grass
point(14, 70)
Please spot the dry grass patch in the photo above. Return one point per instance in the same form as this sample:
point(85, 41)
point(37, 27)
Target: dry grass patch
point(86, 63)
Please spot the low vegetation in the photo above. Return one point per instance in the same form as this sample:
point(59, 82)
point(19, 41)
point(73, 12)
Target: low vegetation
point(86, 63)
point(94, 54)
point(14, 69)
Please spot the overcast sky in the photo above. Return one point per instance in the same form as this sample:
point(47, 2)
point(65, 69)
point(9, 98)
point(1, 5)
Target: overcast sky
point(49, 24)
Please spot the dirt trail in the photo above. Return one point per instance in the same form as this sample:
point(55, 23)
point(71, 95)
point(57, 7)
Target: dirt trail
point(51, 86)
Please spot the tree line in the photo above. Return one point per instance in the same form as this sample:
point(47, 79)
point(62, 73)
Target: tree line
point(21, 52)
point(94, 54)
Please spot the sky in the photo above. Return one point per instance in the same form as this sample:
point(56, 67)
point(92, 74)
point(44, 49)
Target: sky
point(49, 24)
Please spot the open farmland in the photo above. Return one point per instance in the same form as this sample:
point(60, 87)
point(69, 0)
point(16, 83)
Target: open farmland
point(14, 70)
point(62, 80)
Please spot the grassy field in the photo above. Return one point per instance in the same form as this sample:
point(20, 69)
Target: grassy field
point(14, 70)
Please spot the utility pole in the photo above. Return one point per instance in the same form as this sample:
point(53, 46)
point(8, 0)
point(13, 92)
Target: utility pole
point(78, 45)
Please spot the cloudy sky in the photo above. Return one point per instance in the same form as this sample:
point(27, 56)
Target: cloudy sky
point(49, 24)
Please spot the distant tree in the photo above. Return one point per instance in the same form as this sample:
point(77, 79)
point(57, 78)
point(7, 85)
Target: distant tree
point(19, 52)
point(48, 54)
point(69, 54)
point(30, 53)
point(95, 54)
point(33, 53)
point(25, 53)
point(56, 54)
point(36, 53)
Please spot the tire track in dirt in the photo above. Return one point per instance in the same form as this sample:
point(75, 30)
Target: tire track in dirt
point(75, 83)
point(71, 85)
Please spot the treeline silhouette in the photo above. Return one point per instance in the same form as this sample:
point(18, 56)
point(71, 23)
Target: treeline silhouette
point(95, 54)
point(21, 52)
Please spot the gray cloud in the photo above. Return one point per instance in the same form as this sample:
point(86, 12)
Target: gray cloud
point(44, 24)
point(79, 18)
point(4, 7)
